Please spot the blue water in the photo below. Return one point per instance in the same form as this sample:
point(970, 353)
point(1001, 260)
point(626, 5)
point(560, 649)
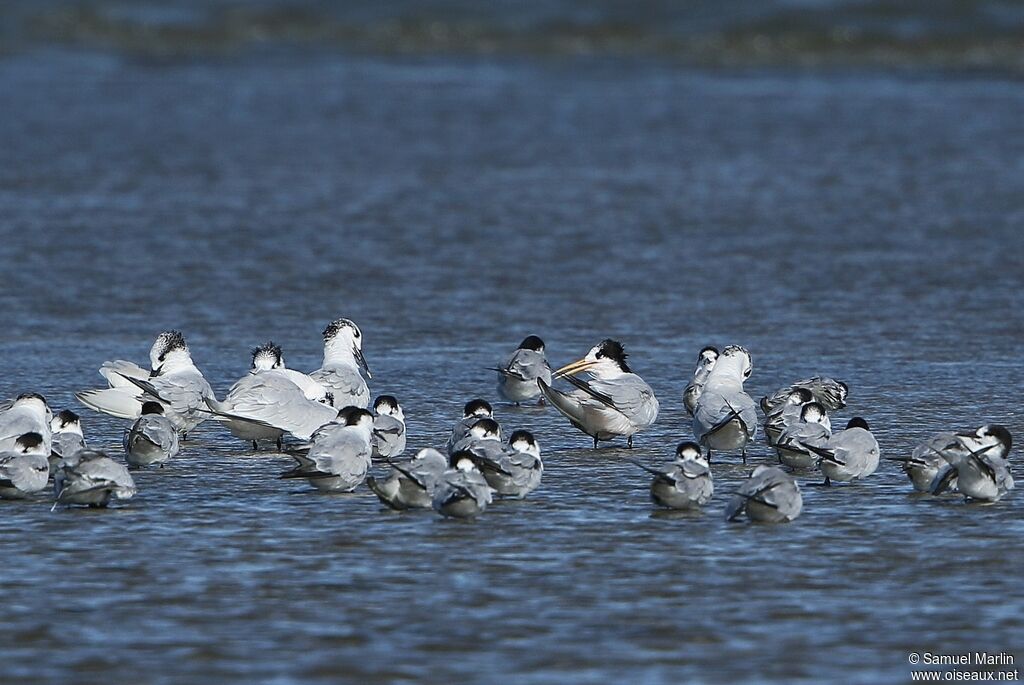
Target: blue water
point(857, 223)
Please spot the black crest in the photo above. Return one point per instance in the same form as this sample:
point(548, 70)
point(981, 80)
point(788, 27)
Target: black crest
point(532, 343)
point(335, 326)
point(29, 440)
point(170, 341)
point(1001, 434)
point(67, 416)
point(613, 349)
point(31, 396)
point(521, 435)
point(477, 405)
point(489, 425)
point(688, 446)
point(152, 408)
point(858, 422)
point(389, 401)
point(268, 348)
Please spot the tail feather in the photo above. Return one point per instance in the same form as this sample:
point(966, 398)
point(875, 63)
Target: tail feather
point(117, 402)
point(561, 402)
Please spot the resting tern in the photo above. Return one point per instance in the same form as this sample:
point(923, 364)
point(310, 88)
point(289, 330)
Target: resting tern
point(796, 442)
point(982, 471)
point(518, 375)
point(614, 402)
point(68, 438)
point(473, 411)
point(339, 457)
point(784, 415)
point(24, 467)
point(91, 478)
point(462, 491)
point(516, 470)
point(484, 437)
point(686, 484)
point(769, 495)
point(29, 413)
point(725, 417)
point(926, 461)
point(151, 439)
point(388, 428)
point(411, 484)
point(827, 392)
point(173, 380)
point(848, 454)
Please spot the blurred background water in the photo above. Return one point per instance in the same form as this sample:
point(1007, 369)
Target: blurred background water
point(835, 185)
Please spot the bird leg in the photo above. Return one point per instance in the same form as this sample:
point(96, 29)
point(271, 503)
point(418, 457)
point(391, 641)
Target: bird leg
point(629, 442)
point(255, 447)
point(595, 442)
point(280, 444)
point(826, 484)
point(744, 455)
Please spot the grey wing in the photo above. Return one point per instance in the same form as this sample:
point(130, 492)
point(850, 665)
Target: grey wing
point(185, 392)
point(117, 371)
point(66, 444)
point(280, 403)
point(388, 427)
point(160, 432)
point(347, 456)
point(27, 473)
point(106, 470)
point(715, 409)
point(346, 383)
point(528, 365)
point(524, 467)
point(631, 396)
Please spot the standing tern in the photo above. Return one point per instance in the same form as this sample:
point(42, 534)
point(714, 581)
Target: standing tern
point(686, 484)
point(462, 491)
point(518, 375)
point(473, 411)
point(410, 484)
point(340, 455)
point(769, 495)
point(343, 357)
point(265, 404)
point(151, 439)
point(24, 467)
point(388, 428)
point(796, 442)
point(91, 478)
point(173, 380)
point(614, 402)
point(725, 417)
point(705, 362)
point(848, 454)
point(517, 470)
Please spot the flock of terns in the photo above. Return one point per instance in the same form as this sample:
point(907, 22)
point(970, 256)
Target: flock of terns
point(335, 439)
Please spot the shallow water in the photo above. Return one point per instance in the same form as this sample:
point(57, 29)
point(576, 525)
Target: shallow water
point(850, 223)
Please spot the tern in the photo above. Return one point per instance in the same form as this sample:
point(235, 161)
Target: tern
point(343, 357)
point(25, 467)
point(705, 362)
point(796, 442)
point(68, 438)
point(784, 415)
point(615, 402)
point(926, 461)
point(484, 438)
point(826, 391)
point(173, 380)
point(151, 439)
point(340, 455)
point(91, 478)
point(769, 495)
point(266, 403)
point(473, 411)
point(410, 484)
point(517, 470)
point(462, 491)
point(388, 428)
point(982, 471)
point(849, 454)
point(518, 375)
point(686, 484)
point(29, 413)
point(725, 417)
